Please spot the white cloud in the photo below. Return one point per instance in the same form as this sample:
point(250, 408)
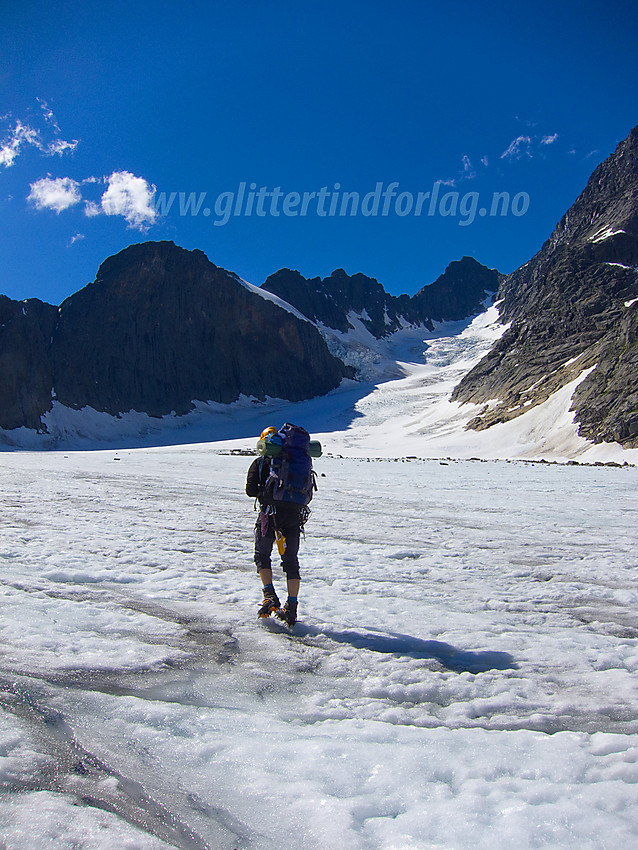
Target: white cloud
point(59, 146)
point(468, 172)
point(23, 135)
point(529, 146)
point(77, 238)
point(48, 115)
point(54, 194)
point(91, 209)
point(126, 195)
point(130, 197)
point(521, 146)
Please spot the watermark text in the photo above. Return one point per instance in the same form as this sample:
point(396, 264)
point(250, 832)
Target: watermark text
point(384, 200)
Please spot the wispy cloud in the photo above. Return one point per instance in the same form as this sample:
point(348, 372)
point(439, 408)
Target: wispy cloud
point(54, 194)
point(91, 209)
point(520, 147)
point(468, 172)
point(48, 115)
point(126, 194)
point(528, 146)
point(58, 146)
point(19, 136)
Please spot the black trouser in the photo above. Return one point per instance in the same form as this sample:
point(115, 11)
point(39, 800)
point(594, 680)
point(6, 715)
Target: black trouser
point(286, 521)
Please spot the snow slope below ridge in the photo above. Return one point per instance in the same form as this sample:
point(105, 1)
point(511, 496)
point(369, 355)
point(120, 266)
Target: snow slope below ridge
point(275, 299)
point(401, 407)
point(474, 686)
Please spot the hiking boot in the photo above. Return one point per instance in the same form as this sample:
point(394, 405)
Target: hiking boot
point(288, 613)
point(270, 604)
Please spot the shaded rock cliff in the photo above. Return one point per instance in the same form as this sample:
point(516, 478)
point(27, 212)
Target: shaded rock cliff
point(574, 307)
point(458, 293)
point(158, 328)
point(26, 377)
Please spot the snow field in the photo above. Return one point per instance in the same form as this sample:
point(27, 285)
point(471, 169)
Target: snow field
point(398, 406)
point(463, 674)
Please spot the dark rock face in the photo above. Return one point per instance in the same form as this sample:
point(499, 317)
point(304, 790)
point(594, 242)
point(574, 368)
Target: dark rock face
point(26, 378)
point(607, 400)
point(567, 309)
point(456, 294)
point(328, 301)
point(159, 328)
point(459, 292)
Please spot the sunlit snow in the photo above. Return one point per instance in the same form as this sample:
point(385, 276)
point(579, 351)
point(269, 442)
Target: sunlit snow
point(398, 406)
point(463, 674)
point(603, 233)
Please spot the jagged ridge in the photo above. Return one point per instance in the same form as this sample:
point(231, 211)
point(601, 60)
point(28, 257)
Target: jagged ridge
point(567, 309)
point(458, 293)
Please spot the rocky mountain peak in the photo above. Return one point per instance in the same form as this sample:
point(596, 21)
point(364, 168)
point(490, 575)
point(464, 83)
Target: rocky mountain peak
point(606, 212)
point(151, 258)
point(572, 307)
point(458, 293)
point(159, 328)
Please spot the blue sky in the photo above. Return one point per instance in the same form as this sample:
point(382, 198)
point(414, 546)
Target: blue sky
point(371, 136)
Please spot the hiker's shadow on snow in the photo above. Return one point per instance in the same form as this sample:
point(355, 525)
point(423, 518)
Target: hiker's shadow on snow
point(390, 643)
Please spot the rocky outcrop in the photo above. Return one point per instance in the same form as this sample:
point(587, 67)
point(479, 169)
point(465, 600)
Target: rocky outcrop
point(26, 377)
point(158, 328)
point(162, 326)
point(607, 400)
point(458, 293)
point(572, 308)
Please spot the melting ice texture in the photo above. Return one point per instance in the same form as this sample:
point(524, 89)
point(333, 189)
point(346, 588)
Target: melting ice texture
point(463, 674)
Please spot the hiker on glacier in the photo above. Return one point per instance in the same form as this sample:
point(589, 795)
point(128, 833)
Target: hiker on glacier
point(282, 481)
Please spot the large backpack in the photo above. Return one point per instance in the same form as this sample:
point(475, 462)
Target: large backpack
point(292, 478)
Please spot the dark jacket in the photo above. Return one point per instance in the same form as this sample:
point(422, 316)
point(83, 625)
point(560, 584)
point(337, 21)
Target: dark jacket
point(256, 479)
point(258, 473)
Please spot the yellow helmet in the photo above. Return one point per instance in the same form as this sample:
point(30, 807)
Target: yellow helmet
point(267, 432)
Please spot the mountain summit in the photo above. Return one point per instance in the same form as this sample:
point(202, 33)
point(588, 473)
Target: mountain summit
point(573, 309)
point(458, 293)
point(162, 327)
point(159, 328)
